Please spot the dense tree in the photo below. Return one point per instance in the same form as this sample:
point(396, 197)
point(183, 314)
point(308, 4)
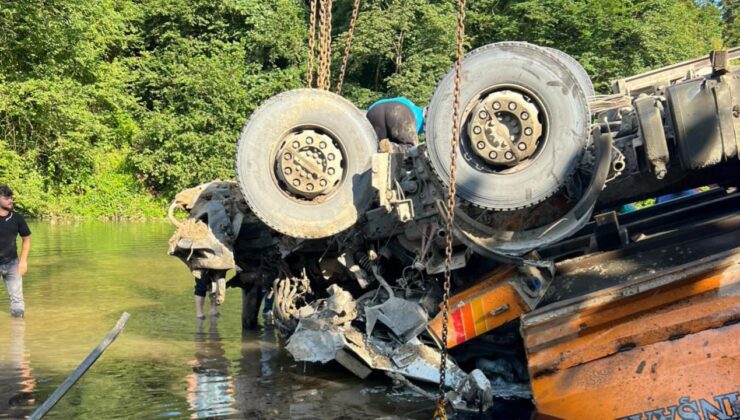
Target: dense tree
point(731, 17)
point(202, 68)
point(108, 101)
point(63, 85)
point(402, 47)
point(611, 39)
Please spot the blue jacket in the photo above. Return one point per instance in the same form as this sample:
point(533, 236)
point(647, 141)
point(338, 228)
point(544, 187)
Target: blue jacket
point(417, 111)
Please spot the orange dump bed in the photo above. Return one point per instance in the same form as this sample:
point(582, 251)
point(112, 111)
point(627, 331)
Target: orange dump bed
point(662, 343)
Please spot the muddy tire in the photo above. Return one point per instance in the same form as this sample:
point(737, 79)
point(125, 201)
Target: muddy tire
point(577, 69)
point(333, 118)
point(538, 73)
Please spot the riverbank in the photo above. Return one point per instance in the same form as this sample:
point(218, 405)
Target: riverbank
point(110, 192)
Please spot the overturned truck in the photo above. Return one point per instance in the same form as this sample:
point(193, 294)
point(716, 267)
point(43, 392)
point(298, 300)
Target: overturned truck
point(558, 296)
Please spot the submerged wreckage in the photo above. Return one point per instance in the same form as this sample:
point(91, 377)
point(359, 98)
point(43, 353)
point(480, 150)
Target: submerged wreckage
point(557, 296)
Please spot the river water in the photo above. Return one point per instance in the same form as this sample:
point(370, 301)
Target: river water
point(83, 275)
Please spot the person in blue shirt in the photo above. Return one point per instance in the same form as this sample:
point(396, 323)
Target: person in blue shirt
point(397, 120)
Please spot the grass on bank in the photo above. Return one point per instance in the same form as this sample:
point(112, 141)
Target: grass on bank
point(111, 191)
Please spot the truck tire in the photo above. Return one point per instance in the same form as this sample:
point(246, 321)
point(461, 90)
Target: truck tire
point(536, 73)
point(295, 113)
point(577, 69)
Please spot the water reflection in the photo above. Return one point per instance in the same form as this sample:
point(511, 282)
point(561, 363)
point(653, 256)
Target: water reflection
point(83, 275)
point(17, 391)
point(270, 384)
point(210, 385)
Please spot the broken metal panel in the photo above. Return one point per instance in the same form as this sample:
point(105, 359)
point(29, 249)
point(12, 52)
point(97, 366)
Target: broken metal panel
point(205, 240)
point(406, 319)
point(485, 306)
point(314, 341)
point(327, 334)
point(418, 361)
point(413, 360)
point(352, 364)
point(320, 334)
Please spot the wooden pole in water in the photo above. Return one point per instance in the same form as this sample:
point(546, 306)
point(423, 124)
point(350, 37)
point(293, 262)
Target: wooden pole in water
point(81, 369)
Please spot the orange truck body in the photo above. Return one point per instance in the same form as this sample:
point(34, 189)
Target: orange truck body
point(653, 334)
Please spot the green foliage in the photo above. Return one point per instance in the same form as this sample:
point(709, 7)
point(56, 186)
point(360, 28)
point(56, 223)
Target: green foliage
point(401, 48)
point(110, 107)
point(206, 68)
point(611, 39)
point(730, 10)
point(64, 90)
point(116, 194)
point(26, 182)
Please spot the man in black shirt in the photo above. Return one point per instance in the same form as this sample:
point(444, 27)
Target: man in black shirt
point(13, 268)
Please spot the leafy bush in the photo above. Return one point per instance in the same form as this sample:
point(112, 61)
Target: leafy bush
point(108, 108)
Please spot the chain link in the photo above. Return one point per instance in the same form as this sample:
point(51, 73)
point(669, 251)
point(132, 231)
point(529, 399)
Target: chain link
point(322, 44)
point(311, 41)
point(347, 45)
point(324, 71)
point(451, 193)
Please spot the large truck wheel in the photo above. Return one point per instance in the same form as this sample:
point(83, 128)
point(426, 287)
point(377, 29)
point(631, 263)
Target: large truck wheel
point(303, 163)
point(524, 124)
point(577, 69)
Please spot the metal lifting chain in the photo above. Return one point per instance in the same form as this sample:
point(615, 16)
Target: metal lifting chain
point(324, 71)
point(440, 412)
point(347, 46)
point(311, 41)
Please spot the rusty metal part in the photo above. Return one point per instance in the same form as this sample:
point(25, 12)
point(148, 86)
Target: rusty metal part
point(642, 346)
point(698, 371)
point(451, 196)
point(504, 128)
point(310, 164)
point(323, 77)
point(311, 42)
point(347, 45)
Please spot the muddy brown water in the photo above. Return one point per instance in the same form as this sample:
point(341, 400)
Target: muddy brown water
point(83, 275)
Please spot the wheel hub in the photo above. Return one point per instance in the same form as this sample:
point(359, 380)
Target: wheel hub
point(504, 128)
point(309, 164)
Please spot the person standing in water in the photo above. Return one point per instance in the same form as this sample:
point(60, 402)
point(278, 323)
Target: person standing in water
point(13, 268)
